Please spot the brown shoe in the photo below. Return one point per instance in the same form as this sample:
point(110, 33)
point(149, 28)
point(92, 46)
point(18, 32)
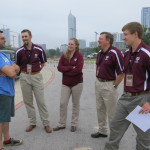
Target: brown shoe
point(58, 128)
point(73, 128)
point(30, 128)
point(48, 129)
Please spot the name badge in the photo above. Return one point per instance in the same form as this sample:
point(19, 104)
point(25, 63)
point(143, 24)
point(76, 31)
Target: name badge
point(129, 80)
point(29, 68)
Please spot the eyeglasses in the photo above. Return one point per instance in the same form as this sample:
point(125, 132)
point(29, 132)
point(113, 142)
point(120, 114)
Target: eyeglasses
point(3, 38)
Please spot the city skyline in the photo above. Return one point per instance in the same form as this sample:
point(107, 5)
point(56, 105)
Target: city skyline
point(48, 20)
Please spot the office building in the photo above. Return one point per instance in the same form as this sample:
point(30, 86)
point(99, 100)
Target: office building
point(116, 36)
point(121, 37)
point(82, 43)
point(43, 46)
point(20, 43)
point(93, 44)
point(145, 17)
point(120, 45)
point(71, 26)
point(63, 47)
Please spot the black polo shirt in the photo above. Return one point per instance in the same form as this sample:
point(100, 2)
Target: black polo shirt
point(35, 57)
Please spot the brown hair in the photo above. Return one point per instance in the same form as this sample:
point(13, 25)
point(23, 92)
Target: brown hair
point(134, 27)
point(67, 53)
point(26, 30)
point(109, 36)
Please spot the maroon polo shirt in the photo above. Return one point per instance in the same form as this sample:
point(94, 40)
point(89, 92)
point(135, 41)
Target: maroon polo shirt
point(35, 57)
point(109, 64)
point(71, 70)
point(139, 68)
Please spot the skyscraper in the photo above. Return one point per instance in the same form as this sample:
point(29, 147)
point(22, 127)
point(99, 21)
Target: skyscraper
point(71, 26)
point(20, 43)
point(145, 17)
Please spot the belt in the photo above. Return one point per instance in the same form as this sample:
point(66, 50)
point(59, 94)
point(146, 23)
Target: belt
point(138, 93)
point(104, 80)
point(30, 72)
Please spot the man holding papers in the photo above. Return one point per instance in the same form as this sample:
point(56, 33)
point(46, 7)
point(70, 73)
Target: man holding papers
point(136, 88)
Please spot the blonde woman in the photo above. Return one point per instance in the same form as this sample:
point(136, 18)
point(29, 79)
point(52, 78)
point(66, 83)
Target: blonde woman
point(70, 64)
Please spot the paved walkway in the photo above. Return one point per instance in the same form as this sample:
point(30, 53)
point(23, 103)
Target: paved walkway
point(64, 140)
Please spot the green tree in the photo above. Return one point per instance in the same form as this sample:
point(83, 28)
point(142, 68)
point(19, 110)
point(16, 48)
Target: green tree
point(8, 48)
point(146, 36)
point(58, 53)
point(51, 53)
point(96, 49)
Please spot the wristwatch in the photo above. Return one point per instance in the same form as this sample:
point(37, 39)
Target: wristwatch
point(115, 86)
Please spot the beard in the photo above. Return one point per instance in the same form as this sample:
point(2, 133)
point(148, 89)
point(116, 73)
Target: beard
point(26, 43)
point(2, 46)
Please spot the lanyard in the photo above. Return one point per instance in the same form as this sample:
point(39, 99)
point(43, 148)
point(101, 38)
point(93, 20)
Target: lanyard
point(131, 61)
point(28, 54)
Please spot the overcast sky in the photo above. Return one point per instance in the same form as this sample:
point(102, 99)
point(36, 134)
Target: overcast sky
point(48, 19)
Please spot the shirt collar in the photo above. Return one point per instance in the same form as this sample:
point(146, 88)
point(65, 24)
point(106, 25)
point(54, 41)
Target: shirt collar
point(25, 48)
point(138, 48)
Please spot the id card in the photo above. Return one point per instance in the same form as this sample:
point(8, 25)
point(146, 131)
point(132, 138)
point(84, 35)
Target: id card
point(129, 80)
point(29, 68)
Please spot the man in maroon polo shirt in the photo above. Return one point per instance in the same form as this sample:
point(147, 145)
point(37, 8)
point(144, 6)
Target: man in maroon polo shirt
point(31, 59)
point(109, 73)
point(136, 88)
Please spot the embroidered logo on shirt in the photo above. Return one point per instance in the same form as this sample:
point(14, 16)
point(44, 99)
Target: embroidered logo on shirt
point(75, 59)
point(137, 59)
point(36, 56)
point(107, 57)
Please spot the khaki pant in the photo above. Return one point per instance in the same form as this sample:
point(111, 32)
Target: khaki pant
point(106, 100)
point(33, 84)
point(66, 92)
point(119, 124)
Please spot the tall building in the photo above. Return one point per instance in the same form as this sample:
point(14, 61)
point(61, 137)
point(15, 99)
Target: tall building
point(20, 43)
point(43, 46)
point(7, 35)
point(71, 26)
point(82, 43)
point(93, 44)
point(116, 36)
point(145, 17)
point(63, 47)
point(121, 37)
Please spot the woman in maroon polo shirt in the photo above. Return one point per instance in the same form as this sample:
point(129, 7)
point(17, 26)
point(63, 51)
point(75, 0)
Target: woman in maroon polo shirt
point(70, 64)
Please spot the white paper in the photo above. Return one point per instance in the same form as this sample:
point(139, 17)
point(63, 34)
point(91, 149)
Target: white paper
point(140, 120)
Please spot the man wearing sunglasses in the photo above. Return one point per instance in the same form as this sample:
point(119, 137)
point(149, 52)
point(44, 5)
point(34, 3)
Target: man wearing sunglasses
point(8, 71)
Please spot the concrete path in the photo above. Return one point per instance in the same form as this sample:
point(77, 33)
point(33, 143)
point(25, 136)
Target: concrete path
point(64, 140)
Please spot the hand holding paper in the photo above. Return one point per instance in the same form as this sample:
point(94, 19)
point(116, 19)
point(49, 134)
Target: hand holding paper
point(140, 120)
